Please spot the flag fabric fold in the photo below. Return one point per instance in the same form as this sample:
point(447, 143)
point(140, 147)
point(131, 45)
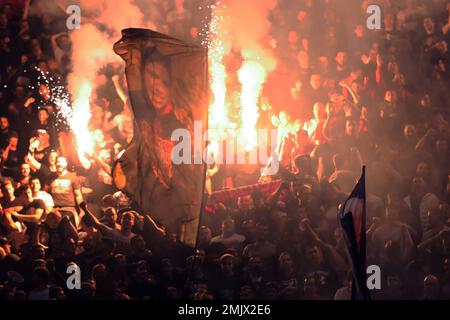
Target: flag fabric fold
point(167, 84)
point(352, 218)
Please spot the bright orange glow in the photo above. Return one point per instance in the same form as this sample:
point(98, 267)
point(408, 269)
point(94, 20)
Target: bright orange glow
point(251, 76)
point(80, 119)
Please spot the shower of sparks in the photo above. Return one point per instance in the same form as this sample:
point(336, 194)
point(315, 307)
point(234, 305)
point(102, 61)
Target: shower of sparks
point(67, 111)
point(214, 35)
point(58, 96)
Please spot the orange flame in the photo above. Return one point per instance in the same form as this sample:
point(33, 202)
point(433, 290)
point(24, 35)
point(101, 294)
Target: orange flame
point(251, 76)
point(80, 119)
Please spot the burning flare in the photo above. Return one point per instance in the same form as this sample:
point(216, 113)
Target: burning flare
point(80, 120)
point(251, 76)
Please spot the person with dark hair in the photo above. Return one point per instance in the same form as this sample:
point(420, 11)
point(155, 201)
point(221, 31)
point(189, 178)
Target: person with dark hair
point(431, 288)
point(41, 144)
point(109, 217)
point(56, 293)
point(46, 169)
point(39, 194)
point(204, 237)
point(55, 232)
point(313, 93)
point(420, 200)
point(343, 177)
point(142, 285)
point(345, 293)
point(229, 238)
point(262, 247)
point(288, 283)
point(31, 213)
point(394, 288)
point(9, 203)
point(66, 191)
point(5, 131)
point(25, 175)
point(393, 230)
point(10, 156)
point(122, 236)
point(109, 200)
point(255, 274)
point(227, 277)
point(41, 290)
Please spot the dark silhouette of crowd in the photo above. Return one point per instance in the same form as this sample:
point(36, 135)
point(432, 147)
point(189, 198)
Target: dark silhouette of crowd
point(373, 97)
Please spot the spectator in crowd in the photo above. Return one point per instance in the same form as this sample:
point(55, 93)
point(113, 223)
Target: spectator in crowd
point(66, 191)
point(38, 194)
point(229, 238)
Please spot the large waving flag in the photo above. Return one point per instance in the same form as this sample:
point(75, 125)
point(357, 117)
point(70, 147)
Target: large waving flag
point(352, 217)
point(167, 84)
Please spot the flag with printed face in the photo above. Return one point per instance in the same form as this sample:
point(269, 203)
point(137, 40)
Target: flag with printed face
point(167, 85)
point(352, 218)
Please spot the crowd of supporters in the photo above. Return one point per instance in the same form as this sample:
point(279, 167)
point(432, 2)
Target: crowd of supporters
point(373, 97)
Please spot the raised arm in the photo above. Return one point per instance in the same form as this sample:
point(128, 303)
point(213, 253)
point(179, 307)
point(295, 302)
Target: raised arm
point(378, 76)
point(36, 217)
point(5, 153)
point(421, 146)
point(7, 221)
point(69, 229)
point(349, 89)
point(327, 128)
point(91, 219)
point(26, 9)
point(119, 90)
point(34, 164)
point(424, 245)
point(335, 257)
point(446, 27)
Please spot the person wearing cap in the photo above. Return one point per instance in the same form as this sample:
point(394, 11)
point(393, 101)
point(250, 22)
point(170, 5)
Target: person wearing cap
point(41, 144)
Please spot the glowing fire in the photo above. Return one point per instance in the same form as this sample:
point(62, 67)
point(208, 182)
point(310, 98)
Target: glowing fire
point(80, 120)
point(251, 76)
point(223, 36)
point(218, 119)
point(217, 111)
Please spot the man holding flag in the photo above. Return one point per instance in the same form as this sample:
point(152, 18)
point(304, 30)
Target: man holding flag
point(352, 218)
